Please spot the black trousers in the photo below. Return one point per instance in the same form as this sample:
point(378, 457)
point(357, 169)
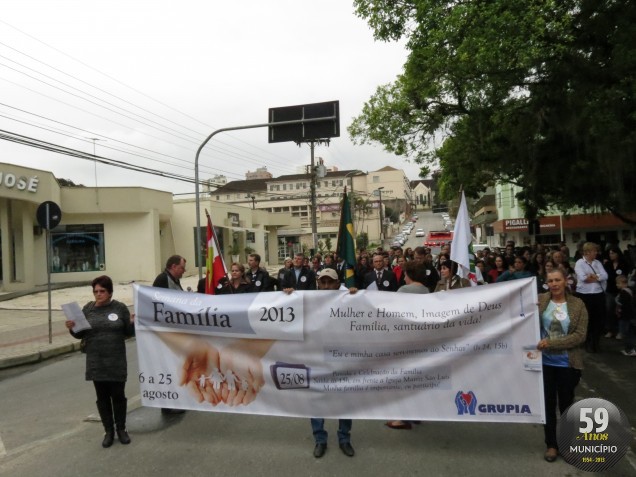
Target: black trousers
point(558, 389)
point(110, 390)
point(596, 311)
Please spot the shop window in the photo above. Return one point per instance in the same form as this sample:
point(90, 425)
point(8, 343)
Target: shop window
point(78, 248)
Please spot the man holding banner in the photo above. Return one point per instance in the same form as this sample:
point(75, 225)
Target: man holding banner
point(328, 280)
point(169, 278)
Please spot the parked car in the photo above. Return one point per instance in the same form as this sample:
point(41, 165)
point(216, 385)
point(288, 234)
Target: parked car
point(419, 233)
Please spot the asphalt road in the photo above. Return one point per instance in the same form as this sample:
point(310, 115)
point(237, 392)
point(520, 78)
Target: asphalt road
point(47, 429)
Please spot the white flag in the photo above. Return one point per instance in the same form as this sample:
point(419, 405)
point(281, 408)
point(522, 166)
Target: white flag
point(462, 247)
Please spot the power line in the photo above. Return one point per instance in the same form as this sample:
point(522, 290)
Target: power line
point(123, 84)
point(83, 139)
point(47, 146)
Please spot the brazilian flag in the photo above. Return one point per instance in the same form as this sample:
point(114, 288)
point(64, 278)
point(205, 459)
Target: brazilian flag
point(346, 243)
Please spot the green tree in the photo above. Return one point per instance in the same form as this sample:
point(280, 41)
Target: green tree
point(536, 93)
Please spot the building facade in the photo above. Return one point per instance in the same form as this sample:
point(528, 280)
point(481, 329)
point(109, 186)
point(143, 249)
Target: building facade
point(555, 227)
point(387, 189)
point(124, 232)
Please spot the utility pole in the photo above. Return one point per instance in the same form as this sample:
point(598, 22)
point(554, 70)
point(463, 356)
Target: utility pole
point(95, 139)
point(381, 218)
point(313, 175)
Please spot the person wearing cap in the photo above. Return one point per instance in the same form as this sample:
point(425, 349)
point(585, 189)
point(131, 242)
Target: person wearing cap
point(328, 280)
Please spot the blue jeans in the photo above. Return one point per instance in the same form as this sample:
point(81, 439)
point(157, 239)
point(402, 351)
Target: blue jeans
point(320, 435)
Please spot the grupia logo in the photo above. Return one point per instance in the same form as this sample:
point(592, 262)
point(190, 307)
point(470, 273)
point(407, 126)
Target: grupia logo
point(466, 402)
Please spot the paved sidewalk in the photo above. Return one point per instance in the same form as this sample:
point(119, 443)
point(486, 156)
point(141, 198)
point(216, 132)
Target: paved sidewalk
point(24, 322)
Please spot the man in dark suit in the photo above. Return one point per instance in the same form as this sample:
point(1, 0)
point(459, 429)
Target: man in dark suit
point(384, 279)
point(299, 277)
point(261, 281)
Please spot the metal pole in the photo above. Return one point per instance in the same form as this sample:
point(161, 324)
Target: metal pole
point(48, 270)
point(381, 216)
point(196, 168)
point(312, 189)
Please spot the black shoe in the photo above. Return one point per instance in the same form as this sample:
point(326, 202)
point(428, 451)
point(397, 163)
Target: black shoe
point(123, 436)
point(320, 450)
point(109, 438)
point(347, 449)
point(165, 410)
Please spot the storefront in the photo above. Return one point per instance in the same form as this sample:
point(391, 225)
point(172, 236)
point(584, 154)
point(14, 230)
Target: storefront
point(124, 232)
point(597, 228)
point(112, 230)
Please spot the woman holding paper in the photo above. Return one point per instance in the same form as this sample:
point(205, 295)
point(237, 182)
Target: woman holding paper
point(563, 332)
point(106, 365)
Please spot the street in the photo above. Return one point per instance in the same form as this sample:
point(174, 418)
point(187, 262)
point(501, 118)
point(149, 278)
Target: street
point(49, 427)
point(45, 432)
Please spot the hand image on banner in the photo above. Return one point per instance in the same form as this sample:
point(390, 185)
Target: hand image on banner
point(215, 269)
point(462, 246)
point(368, 355)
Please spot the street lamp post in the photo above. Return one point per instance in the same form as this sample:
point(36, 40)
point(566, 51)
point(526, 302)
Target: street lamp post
point(381, 218)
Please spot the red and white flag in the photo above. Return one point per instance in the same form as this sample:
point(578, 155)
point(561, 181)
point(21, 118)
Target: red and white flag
point(215, 268)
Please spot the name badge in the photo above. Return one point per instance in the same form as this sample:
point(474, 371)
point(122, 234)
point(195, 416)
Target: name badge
point(385, 283)
point(303, 279)
point(257, 283)
point(113, 317)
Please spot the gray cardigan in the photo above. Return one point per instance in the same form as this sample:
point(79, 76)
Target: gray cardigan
point(105, 346)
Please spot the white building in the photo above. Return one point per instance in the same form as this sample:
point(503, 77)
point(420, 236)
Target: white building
point(124, 232)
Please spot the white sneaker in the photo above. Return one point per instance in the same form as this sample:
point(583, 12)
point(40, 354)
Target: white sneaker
point(629, 353)
point(619, 336)
point(608, 334)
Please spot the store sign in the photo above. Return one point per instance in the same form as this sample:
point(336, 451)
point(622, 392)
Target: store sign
point(11, 181)
point(522, 224)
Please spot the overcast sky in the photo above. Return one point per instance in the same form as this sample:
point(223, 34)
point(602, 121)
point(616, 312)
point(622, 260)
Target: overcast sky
point(152, 79)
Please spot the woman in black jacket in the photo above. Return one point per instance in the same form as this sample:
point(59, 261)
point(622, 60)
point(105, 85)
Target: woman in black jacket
point(105, 349)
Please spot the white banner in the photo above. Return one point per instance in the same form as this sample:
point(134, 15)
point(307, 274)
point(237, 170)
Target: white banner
point(462, 355)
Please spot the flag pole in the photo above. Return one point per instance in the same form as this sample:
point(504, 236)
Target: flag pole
point(216, 244)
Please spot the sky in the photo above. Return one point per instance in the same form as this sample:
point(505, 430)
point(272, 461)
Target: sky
point(151, 80)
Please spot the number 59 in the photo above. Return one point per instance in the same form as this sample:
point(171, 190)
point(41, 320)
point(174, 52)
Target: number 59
point(601, 418)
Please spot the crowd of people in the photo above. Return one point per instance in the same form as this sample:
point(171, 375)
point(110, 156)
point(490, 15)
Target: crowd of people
point(582, 298)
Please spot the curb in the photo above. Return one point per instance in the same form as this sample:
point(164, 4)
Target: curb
point(37, 356)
